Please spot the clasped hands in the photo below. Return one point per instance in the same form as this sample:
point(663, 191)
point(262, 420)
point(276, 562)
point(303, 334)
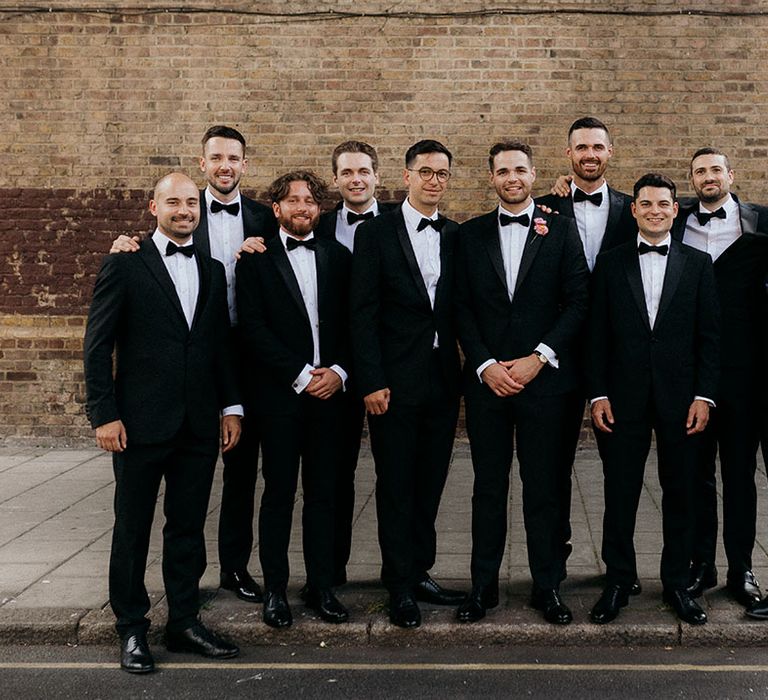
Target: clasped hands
point(509, 377)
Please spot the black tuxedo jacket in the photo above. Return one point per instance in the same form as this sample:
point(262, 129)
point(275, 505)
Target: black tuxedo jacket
point(740, 274)
point(326, 228)
point(393, 324)
point(621, 226)
point(549, 304)
point(661, 368)
point(165, 373)
point(275, 325)
point(258, 220)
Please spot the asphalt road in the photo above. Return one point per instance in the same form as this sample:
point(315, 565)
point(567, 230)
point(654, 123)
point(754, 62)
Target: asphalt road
point(300, 672)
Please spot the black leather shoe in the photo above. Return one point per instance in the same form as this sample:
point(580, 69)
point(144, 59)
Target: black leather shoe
point(404, 611)
point(242, 583)
point(475, 605)
point(135, 656)
point(198, 639)
point(703, 576)
point(277, 612)
point(744, 589)
point(635, 588)
point(687, 609)
point(759, 611)
point(326, 604)
point(430, 591)
point(612, 600)
point(549, 602)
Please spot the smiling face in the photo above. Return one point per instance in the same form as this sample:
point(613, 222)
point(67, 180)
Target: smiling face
point(356, 179)
point(425, 195)
point(711, 178)
point(176, 206)
point(654, 209)
point(589, 151)
point(223, 163)
point(512, 177)
point(299, 211)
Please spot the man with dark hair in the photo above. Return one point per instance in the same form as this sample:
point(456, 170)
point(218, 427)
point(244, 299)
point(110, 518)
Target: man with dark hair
point(653, 359)
point(226, 219)
point(735, 235)
point(163, 311)
point(293, 310)
point(407, 369)
point(521, 300)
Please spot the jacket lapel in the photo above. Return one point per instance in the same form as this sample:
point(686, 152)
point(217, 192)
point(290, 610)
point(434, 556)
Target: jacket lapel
point(748, 218)
point(675, 264)
point(201, 235)
point(280, 257)
point(151, 257)
point(203, 292)
point(493, 246)
point(533, 243)
point(615, 207)
point(405, 243)
point(322, 265)
point(632, 270)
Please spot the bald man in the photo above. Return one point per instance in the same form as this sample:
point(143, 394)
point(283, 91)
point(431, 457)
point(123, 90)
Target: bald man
point(173, 393)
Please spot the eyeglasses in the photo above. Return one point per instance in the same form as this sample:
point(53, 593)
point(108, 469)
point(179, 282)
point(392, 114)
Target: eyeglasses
point(427, 174)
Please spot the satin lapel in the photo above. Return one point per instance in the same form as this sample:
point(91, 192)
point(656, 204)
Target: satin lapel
point(532, 245)
point(204, 288)
point(675, 264)
point(678, 226)
point(446, 265)
point(748, 218)
point(410, 256)
point(249, 220)
point(615, 206)
point(151, 257)
point(201, 236)
point(322, 265)
point(493, 246)
point(279, 256)
point(635, 279)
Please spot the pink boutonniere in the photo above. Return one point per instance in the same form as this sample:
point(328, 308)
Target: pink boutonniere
point(540, 226)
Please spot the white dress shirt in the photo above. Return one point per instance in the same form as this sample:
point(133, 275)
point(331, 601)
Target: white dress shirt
point(225, 233)
point(305, 269)
point(345, 232)
point(591, 222)
point(512, 241)
point(717, 234)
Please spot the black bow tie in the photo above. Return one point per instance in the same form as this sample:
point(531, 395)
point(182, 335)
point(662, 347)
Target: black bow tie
point(354, 217)
point(705, 216)
point(436, 224)
point(293, 243)
point(523, 220)
point(581, 196)
point(233, 208)
point(172, 249)
point(644, 248)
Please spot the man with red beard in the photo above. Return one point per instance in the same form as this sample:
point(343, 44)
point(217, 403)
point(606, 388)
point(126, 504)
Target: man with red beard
point(292, 307)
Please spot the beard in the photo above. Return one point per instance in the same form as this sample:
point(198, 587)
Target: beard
point(299, 228)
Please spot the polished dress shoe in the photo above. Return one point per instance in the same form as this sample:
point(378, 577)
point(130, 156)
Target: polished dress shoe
point(135, 656)
point(744, 589)
point(612, 600)
point(430, 591)
point(549, 602)
point(277, 612)
point(635, 588)
point(404, 611)
point(475, 605)
point(198, 639)
point(759, 611)
point(242, 583)
point(326, 604)
point(687, 609)
point(703, 576)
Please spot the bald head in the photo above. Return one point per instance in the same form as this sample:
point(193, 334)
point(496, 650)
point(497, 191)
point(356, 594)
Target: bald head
point(176, 206)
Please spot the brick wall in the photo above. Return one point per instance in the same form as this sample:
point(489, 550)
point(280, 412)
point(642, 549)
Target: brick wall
point(97, 105)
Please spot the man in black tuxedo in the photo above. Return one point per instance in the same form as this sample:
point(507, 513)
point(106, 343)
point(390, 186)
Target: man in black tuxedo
point(406, 365)
point(293, 311)
point(736, 237)
point(604, 220)
point(521, 300)
point(653, 349)
point(226, 219)
point(163, 311)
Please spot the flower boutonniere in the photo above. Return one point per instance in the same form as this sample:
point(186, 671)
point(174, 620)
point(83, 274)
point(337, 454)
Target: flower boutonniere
point(540, 226)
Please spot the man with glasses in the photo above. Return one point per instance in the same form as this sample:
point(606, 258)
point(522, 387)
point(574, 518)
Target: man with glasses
point(407, 365)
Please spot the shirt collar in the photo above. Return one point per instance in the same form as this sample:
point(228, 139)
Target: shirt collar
point(161, 241)
point(528, 210)
point(603, 189)
point(284, 236)
point(374, 208)
point(730, 206)
point(413, 217)
point(667, 240)
point(210, 196)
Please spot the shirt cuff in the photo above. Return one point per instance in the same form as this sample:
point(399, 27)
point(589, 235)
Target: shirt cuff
point(550, 354)
point(711, 403)
point(342, 374)
point(302, 381)
point(235, 410)
point(482, 368)
point(596, 399)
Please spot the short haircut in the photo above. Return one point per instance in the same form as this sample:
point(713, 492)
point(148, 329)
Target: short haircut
point(279, 189)
point(654, 180)
point(709, 151)
point(354, 147)
point(425, 146)
point(224, 132)
point(588, 123)
point(502, 146)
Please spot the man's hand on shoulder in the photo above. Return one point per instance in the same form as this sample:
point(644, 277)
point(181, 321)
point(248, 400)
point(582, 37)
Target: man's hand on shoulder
point(111, 436)
point(252, 244)
point(230, 432)
point(562, 186)
point(125, 244)
point(377, 403)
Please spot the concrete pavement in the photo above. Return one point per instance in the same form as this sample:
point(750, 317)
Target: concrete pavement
point(55, 529)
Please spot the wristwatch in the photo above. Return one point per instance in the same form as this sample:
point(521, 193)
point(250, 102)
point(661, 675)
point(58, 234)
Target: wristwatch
point(542, 358)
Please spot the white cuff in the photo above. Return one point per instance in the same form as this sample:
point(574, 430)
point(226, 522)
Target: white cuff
point(483, 367)
point(596, 399)
point(302, 381)
point(235, 410)
point(549, 353)
point(711, 403)
point(342, 374)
